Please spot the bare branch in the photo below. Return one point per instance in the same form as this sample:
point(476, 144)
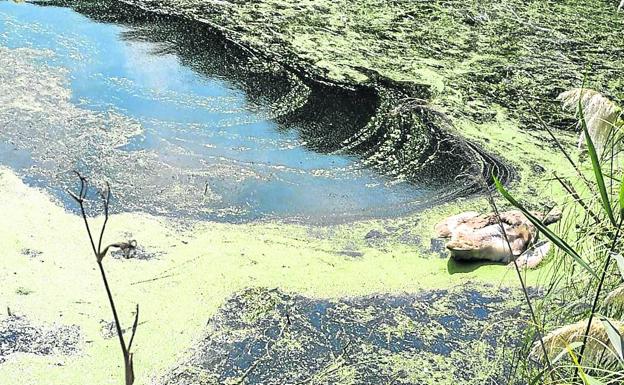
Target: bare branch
point(99, 254)
point(134, 327)
point(81, 197)
point(106, 200)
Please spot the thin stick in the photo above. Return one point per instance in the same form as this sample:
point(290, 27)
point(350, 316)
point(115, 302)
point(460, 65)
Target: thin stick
point(570, 189)
point(490, 198)
point(99, 254)
point(522, 283)
point(134, 327)
point(114, 310)
point(106, 200)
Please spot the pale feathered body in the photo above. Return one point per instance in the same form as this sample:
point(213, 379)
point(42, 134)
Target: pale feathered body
point(481, 237)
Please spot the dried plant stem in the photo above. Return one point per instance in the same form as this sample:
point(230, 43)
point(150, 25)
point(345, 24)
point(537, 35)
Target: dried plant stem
point(99, 255)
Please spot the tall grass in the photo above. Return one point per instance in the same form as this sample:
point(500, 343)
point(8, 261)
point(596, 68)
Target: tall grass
point(576, 328)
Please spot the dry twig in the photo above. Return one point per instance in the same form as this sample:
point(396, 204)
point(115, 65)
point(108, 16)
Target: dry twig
point(99, 255)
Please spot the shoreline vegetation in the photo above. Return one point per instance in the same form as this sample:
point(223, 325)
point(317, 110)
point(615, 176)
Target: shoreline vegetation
point(467, 63)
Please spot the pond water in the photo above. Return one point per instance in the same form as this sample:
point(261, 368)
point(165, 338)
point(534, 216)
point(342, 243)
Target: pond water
point(176, 126)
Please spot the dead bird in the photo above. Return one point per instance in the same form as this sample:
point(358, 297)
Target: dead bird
point(475, 236)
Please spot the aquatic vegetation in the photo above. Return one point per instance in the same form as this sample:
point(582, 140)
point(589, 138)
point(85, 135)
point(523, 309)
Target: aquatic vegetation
point(204, 151)
point(593, 347)
point(18, 334)
point(468, 69)
point(465, 56)
point(198, 270)
point(434, 337)
point(399, 85)
point(402, 140)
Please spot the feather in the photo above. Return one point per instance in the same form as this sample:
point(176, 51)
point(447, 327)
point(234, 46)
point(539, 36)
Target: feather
point(616, 297)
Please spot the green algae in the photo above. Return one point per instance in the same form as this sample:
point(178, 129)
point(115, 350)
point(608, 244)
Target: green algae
point(490, 51)
point(196, 270)
point(402, 143)
point(370, 339)
point(473, 57)
point(20, 336)
point(199, 268)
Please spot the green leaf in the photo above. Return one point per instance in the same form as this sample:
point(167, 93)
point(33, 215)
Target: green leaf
point(587, 379)
point(543, 228)
point(620, 262)
point(621, 198)
point(614, 337)
point(602, 188)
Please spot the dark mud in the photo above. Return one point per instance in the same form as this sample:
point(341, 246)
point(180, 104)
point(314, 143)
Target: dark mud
point(263, 336)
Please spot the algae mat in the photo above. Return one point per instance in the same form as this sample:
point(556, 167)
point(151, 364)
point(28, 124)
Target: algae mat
point(182, 125)
point(471, 54)
point(268, 337)
point(475, 62)
point(266, 302)
point(49, 277)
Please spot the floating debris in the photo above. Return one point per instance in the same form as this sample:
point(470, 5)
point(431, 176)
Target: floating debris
point(19, 335)
point(270, 337)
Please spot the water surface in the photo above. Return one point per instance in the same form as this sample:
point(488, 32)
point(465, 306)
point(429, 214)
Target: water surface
point(171, 137)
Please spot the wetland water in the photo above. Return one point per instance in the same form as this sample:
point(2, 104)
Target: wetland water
point(177, 123)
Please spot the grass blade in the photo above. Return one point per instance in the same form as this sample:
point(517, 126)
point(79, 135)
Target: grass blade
point(542, 228)
point(564, 352)
point(602, 188)
point(614, 337)
point(587, 379)
point(620, 262)
point(621, 198)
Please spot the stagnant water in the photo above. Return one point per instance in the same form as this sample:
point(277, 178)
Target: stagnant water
point(176, 124)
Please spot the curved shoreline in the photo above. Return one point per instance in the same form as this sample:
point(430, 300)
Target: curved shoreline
point(377, 120)
point(389, 94)
point(472, 60)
